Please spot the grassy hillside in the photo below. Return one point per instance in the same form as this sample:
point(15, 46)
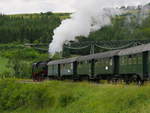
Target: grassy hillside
point(66, 97)
point(16, 60)
point(3, 64)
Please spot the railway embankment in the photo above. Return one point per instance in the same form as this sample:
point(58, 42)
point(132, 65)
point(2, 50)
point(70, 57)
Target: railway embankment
point(69, 97)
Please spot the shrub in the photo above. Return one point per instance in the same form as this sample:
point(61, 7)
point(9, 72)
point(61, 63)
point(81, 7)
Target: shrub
point(16, 95)
point(66, 99)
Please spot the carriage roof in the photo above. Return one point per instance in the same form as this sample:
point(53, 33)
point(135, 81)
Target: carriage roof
point(135, 50)
point(128, 51)
point(99, 55)
point(63, 61)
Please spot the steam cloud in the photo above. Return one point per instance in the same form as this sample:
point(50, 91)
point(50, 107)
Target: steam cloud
point(90, 16)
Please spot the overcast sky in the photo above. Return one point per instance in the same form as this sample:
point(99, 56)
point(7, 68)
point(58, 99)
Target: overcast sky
point(30, 6)
point(36, 6)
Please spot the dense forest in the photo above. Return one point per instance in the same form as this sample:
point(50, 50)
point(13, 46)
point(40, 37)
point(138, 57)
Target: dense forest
point(39, 27)
point(29, 27)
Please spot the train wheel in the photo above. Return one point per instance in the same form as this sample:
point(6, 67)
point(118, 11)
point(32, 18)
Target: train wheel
point(114, 81)
point(62, 78)
point(140, 82)
point(127, 82)
point(109, 81)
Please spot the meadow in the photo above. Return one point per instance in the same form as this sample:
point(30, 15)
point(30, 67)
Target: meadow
point(5, 69)
point(3, 64)
point(18, 96)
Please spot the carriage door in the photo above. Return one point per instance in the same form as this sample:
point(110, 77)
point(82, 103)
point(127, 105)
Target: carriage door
point(145, 64)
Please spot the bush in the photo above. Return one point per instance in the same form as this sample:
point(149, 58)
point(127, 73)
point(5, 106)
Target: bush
point(16, 95)
point(20, 61)
point(66, 99)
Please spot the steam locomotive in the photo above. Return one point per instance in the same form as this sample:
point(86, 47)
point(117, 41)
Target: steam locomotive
point(128, 65)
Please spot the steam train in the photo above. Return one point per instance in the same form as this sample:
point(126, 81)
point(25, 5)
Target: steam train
point(128, 65)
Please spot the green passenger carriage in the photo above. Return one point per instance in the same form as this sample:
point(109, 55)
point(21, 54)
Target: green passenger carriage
point(104, 65)
point(134, 62)
point(61, 68)
point(96, 66)
point(131, 64)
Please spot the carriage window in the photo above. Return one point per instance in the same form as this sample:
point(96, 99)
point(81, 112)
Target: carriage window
point(86, 62)
point(130, 59)
point(107, 61)
point(110, 62)
point(81, 62)
point(135, 59)
point(140, 59)
point(149, 55)
point(95, 61)
point(104, 61)
point(71, 65)
point(125, 60)
point(89, 61)
point(122, 60)
point(130, 56)
point(100, 61)
point(53, 67)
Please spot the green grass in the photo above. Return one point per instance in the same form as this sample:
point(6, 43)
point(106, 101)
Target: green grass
point(3, 64)
point(67, 97)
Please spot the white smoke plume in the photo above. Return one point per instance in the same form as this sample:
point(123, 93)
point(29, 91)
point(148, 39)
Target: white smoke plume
point(90, 16)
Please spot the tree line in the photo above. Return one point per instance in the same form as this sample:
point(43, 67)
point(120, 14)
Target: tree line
point(39, 28)
point(28, 28)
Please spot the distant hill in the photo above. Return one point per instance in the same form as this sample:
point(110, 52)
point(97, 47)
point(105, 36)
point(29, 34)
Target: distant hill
point(29, 27)
point(38, 28)
point(132, 25)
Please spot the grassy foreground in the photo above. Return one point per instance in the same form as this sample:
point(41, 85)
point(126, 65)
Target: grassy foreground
point(67, 97)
